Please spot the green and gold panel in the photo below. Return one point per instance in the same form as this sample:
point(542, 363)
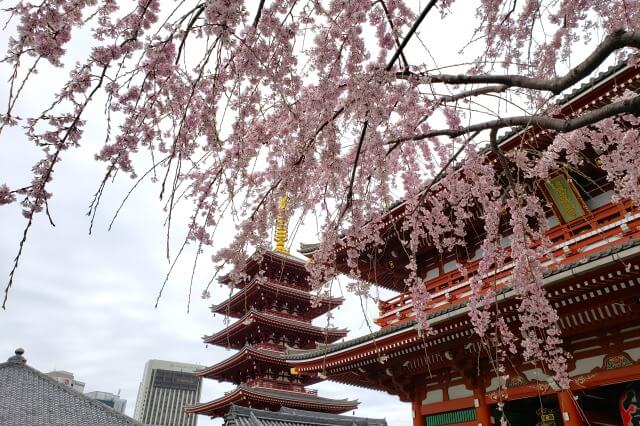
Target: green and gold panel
point(567, 201)
point(451, 417)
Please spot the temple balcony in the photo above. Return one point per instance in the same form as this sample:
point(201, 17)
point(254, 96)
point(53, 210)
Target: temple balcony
point(607, 226)
point(280, 385)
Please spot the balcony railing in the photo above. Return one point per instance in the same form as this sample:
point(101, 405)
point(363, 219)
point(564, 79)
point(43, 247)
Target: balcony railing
point(600, 229)
point(289, 387)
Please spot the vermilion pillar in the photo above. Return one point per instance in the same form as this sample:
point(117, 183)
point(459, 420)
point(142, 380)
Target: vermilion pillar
point(419, 393)
point(418, 420)
point(483, 411)
point(569, 409)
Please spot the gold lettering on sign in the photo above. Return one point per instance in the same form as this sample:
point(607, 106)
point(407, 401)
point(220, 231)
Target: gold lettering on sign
point(566, 199)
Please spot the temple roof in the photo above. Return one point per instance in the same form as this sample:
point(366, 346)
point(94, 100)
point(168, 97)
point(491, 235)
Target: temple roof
point(250, 323)
point(243, 416)
point(239, 303)
point(270, 399)
point(30, 397)
point(600, 288)
point(457, 309)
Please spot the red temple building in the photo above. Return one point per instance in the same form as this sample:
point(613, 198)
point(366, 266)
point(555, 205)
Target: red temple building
point(593, 282)
point(274, 310)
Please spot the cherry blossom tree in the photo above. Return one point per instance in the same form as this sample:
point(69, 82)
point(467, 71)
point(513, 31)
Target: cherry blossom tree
point(339, 106)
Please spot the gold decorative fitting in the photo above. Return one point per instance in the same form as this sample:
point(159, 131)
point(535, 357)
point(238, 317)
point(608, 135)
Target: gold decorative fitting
point(282, 232)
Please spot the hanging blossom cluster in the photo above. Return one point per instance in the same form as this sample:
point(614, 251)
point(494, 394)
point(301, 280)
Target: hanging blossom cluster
point(337, 105)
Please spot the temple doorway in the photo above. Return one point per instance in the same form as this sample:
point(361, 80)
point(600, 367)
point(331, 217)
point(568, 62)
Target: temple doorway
point(612, 405)
point(538, 411)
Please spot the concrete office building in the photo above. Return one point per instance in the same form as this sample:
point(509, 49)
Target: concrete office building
point(67, 379)
point(166, 388)
point(109, 399)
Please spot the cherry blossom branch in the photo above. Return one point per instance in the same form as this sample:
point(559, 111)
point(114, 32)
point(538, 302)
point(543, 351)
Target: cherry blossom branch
point(410, 34)
point(198, 11)
point(41, 194)
point(393, 59)
point(256, 20)
point(613, 42)
point(443, 170)
point(353, 171)
point(395, 36)
point(500, 88)
point(504, 163)
point(627, 106)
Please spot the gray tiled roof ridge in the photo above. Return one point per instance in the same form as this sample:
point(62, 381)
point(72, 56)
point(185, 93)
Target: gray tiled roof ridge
point(292, 396)
point(290, 415)
point(57, 385)
point(327, 349)
point(298, 396)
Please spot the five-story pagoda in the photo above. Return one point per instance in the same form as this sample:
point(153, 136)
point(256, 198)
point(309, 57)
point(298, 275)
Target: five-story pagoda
point(274, 311)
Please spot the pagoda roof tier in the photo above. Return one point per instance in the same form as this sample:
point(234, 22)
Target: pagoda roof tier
point(242, 416)
point(261, 294)
point(240, 366)
point(281, 267)
point(258, 326)
point(271, 399)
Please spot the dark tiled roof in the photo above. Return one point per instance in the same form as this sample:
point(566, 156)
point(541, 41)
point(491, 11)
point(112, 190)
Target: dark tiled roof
point(29, 397)
point(245, 392)
point(593, 81)
point(326, 349)
point(297, 396)
point(242, 416)
point(247, 353)
point(308, 248)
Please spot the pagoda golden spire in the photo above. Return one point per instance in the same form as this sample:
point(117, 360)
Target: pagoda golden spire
point(282, 224)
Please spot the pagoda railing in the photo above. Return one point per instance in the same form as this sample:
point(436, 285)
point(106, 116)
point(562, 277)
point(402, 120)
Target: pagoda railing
point(281, 386)
point(275, 347)
point(606, 226)
point(288, 315)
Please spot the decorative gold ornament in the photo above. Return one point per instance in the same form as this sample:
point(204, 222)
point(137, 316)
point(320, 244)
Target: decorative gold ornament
point(282, 231)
